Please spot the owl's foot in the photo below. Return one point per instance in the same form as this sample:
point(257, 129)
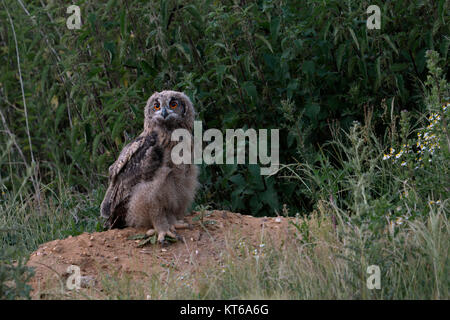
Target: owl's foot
point(162, 235)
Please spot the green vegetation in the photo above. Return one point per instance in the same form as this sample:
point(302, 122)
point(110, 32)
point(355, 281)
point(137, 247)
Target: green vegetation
point(71, 99)
point(332, 263)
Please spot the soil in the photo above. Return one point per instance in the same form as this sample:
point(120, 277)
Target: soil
point(112, 252)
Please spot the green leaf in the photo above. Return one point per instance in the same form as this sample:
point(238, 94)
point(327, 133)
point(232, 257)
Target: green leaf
point(265, 42)
point(399, 67)
point(145, 241)
point(309, 67)
point(255, 203)
point(340, 55)
point(270, 197)
point(123, 18)
point(292, 88)
point(194, 12)
point(111, 48)
point(147, 68)
point(184, 50)
point(312, 110)
point(95, 144)
point(118, 126)
point(238, 179)
point(220, 71)
point(385, 36)
point(237, 201)
point(378, 66)
point(352, 33)
point(255, 178)
point(250, 89)
point(170, 239)
point(275, 27)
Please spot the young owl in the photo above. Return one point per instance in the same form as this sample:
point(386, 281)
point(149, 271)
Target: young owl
point(146, 189)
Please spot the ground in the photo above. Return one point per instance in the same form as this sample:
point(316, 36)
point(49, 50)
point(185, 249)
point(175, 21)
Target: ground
point(111, 252)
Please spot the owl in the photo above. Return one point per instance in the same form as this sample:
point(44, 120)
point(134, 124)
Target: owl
point(146, 189)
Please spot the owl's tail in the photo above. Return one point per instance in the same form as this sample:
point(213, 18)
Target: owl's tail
point(105, 208)
point(112, 209)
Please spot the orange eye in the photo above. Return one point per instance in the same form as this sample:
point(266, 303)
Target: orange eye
point(173, 104)
point(156, 106)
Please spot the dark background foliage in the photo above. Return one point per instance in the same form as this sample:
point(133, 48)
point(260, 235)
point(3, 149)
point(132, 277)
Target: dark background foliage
point(301, 66)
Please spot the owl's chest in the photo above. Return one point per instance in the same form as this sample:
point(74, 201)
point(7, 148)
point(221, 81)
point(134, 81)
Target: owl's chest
point(178, 174)
point(168, 172)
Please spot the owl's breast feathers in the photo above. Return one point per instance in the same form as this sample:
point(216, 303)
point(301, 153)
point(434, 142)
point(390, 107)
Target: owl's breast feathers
point(138, 161)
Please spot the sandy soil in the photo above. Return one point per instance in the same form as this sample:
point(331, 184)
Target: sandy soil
point(111, 252)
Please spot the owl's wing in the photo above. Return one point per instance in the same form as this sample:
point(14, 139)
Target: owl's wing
point(125, 155)
point(133, 165)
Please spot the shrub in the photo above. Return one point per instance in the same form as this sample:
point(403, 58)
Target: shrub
point(298, 66)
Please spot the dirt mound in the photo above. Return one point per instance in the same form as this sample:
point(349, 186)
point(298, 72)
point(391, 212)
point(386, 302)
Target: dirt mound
point(111, 252)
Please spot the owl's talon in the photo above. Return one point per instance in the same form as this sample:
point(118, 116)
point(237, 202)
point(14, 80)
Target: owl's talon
point(171, 234)
point(162, 235)
point(174, 234)
point(181, 225)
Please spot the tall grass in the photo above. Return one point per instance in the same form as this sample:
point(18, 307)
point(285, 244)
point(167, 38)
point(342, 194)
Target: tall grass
point(333, 264)
point(28, 220)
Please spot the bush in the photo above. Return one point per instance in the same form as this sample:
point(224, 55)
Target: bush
point(382, 182)
point(306, 65)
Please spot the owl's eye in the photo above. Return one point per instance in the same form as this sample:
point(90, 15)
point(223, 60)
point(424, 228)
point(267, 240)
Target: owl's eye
point(173, 104)
point(156, 106)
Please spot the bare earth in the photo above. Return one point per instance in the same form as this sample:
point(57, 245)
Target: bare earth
point(110, 252)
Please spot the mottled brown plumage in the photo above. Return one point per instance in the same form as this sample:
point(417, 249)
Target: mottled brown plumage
point(146, 189)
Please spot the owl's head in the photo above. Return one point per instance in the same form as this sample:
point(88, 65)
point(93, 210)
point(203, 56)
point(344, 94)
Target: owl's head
point(170, 109)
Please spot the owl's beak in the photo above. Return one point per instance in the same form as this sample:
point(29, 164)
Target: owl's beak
point(164, 112)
